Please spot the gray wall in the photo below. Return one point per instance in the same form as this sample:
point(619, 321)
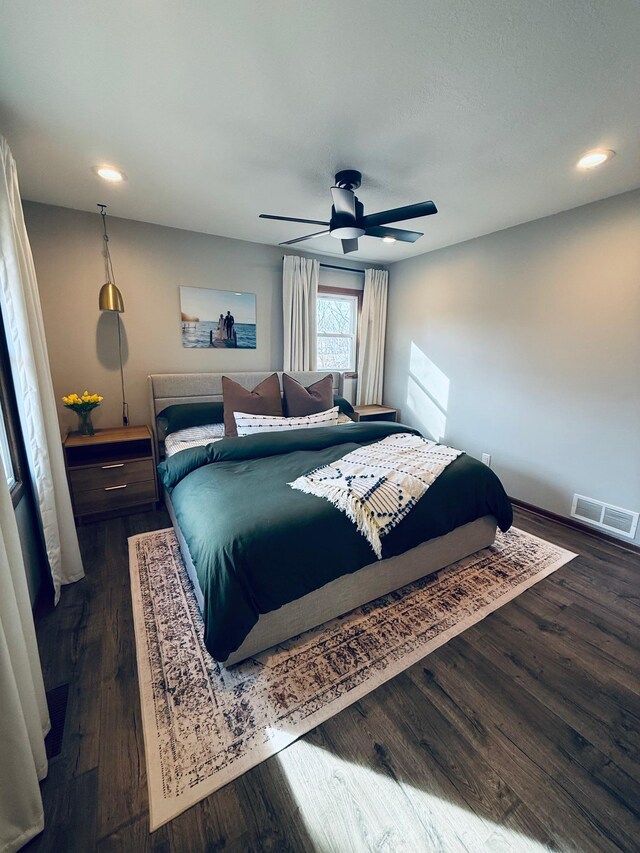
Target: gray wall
point(525, 344)
point(150, 262)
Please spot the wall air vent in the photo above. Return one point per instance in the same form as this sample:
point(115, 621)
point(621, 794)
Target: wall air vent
point(614, 518)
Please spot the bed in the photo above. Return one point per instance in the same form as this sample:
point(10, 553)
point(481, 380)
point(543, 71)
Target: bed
point(268, 563)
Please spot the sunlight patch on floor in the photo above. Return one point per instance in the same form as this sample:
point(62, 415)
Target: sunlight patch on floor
point(347, 806)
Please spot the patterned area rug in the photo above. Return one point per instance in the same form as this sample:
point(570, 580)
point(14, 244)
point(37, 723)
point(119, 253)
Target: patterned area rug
point(205, 725)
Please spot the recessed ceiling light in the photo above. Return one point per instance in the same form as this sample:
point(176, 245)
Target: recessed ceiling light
point(595, 158)
point(388, 239)
point(110, 174)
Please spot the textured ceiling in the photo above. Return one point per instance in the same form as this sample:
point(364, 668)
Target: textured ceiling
point(220, 111)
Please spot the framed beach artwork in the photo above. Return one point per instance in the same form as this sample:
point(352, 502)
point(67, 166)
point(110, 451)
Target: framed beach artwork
point(220, 319)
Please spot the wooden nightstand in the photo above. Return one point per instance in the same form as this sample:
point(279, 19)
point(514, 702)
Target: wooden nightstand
point(374, 413)
point(112, 470)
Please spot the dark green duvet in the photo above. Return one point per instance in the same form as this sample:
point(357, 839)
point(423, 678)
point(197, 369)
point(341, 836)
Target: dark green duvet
point(257, 544)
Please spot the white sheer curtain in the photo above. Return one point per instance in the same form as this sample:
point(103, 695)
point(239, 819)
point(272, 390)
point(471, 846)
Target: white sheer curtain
point(23, 707)
point(299, 305)
point(22, 316)
point(373, 326)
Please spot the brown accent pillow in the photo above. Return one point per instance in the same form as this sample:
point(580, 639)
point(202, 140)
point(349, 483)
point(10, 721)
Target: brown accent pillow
point(265, 399)
point(300, 401)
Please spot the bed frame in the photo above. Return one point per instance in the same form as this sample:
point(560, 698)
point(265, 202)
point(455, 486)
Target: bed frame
point(344, 593)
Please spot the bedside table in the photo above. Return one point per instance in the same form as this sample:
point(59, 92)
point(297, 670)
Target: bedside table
point(374, 413)
point(113, 470)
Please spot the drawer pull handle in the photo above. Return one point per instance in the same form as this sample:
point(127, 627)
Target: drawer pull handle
point(116, 465)
point(111, 488)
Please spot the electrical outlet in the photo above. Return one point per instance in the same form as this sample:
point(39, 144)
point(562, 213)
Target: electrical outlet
point(486, 458)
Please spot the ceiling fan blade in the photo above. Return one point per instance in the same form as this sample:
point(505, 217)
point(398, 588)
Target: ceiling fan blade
point(300, 239)
point(349, 246)
point(397, 233)
point(293, 219)
point(399, 214)
point(344, 201)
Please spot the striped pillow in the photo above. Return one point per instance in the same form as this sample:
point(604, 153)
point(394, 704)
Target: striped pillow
point(197, 436)
point(252, 424)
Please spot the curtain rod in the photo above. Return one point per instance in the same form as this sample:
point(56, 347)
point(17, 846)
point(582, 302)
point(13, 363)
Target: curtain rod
point(344, 269)
point(333, 266)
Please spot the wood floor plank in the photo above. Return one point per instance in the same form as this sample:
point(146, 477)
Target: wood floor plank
point(608, 577)
point(122, 771)
point(593, 783)
point(82, 727)
point(571, 828)
point(598, 607)
point(590, 641)
point(613, 627)
point(135, 837)
point(416, 746)
point(578, 588)
point(70, 813)
point(351, 806)
point(270, 810)
point(57, 630)
point(596, 707)
point(210, 824)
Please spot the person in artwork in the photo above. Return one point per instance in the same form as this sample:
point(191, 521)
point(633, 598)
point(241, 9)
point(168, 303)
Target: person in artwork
point(228, 324)
point(221, 330)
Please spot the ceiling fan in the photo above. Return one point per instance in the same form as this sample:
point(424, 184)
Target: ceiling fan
point(348, 221)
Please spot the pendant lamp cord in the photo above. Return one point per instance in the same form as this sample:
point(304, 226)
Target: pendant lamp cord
point(111, 277)
point(107, 254)
point(125, 405)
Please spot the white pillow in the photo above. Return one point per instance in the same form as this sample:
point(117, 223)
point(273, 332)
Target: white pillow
point(253, 424)
point(192, 437)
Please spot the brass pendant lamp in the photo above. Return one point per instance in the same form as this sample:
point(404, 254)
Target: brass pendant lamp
point(110, 299)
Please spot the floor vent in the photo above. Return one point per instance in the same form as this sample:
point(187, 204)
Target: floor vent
point(608, 517)
point(57, 704)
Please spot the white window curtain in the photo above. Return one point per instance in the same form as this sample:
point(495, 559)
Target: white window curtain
point(373, 326)
point(23, 706)
point(22, 316)
point(299, 307)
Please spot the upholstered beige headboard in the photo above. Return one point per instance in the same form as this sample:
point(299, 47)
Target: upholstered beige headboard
point(168, 389)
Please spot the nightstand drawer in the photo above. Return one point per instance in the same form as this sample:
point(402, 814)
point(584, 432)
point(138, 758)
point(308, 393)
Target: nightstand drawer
point(114, 497)
point(110, 474)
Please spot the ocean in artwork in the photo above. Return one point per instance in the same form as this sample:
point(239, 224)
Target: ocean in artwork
point(203, 334)
point(202, 315)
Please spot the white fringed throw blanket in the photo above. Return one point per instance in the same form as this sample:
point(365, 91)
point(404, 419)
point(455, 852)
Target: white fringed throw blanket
point(377, 485)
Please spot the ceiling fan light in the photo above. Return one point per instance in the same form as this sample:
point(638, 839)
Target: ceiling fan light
point(347, 232)
point(388, 239)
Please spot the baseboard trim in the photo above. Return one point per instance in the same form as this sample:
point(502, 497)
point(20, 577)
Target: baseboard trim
point(576, 525)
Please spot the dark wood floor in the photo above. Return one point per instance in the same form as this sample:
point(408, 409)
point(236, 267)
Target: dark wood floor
point(523, 733)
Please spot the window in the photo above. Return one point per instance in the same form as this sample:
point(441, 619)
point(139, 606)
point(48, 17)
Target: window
point(337, 330)
point(5, 454)
point(11, 448)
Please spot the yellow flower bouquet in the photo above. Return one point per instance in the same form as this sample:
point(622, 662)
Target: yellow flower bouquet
point(83, 406)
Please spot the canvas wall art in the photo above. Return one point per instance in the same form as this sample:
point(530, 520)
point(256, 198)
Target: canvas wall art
point(218, 319)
